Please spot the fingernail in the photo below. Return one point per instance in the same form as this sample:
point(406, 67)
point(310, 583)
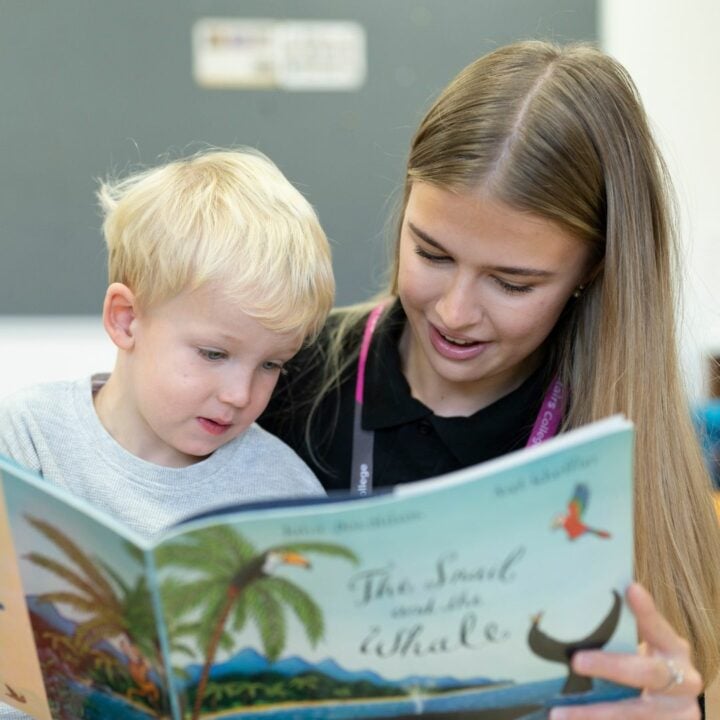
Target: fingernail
point(558, 713)
point(580, 662)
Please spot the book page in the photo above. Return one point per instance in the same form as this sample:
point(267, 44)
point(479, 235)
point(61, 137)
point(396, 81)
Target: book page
point(20, 674)
point(84, 587)
point(468, 597)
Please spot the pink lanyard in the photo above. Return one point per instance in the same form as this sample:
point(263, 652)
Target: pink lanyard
point(361, 480)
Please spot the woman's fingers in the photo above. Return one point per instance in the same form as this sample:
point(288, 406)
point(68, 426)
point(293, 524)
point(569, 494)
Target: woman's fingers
point(653, 673)
point(653, 628)
point(663, 667)
point(663, 670)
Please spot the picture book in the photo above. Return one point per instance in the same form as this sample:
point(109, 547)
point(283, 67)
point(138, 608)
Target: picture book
point(462, 596)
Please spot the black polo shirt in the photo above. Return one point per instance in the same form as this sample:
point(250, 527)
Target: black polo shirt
point(411, 442)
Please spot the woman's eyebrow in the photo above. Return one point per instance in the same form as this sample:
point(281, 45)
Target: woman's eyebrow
point(505, 269)
point(425, 237)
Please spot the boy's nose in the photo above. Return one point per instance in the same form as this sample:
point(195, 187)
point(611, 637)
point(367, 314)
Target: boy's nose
point(236, 392)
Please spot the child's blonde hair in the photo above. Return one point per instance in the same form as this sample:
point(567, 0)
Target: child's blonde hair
point(224, 216)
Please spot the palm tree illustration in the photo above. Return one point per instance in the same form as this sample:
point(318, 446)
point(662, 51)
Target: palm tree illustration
point(139, 618)
point(91, 592)
point(111, 606)
point(233, 583)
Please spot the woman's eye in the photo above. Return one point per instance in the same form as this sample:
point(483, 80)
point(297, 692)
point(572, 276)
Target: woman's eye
point(212, 355)
point(513, 289)
point(430, 256)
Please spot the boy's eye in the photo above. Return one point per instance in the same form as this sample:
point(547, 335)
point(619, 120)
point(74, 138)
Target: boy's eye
point(212, 355)
point(431, 257)
point(271, 366)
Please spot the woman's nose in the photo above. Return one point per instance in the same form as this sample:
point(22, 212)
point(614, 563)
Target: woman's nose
point(459, 306)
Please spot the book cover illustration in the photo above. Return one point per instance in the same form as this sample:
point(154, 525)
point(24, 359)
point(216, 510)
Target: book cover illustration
point(20, 677)
point(86, 595)
point(465, 595)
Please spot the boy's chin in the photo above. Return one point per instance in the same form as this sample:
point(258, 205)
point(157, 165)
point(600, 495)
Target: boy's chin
point(198, 451)
point(179, 455)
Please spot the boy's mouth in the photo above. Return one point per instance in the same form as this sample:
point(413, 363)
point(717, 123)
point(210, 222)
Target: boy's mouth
point(213, 426)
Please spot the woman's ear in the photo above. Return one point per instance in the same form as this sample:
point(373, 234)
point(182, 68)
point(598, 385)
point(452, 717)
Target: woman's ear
point(119, 313)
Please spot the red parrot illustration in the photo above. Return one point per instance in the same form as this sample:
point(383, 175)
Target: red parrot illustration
point(572, 522)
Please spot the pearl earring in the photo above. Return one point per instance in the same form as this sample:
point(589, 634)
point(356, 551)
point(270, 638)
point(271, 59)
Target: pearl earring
point(579, 291)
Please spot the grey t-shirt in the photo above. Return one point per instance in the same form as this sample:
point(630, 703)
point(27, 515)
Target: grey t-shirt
point(53, 429)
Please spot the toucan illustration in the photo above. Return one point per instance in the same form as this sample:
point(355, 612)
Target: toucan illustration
point(264, 565)
point(572, 521)
point(554, 650)
point(15, 696)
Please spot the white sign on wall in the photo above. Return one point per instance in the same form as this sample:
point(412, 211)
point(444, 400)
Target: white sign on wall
point(275, 54)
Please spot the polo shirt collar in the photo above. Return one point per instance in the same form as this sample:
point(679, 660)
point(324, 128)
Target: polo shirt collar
point(388, 400)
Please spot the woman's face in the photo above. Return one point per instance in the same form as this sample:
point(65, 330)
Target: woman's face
point(483, 285)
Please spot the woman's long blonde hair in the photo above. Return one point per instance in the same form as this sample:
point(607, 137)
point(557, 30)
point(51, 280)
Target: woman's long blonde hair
point(560, 132)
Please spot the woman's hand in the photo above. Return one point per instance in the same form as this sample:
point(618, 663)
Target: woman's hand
point(661, 668)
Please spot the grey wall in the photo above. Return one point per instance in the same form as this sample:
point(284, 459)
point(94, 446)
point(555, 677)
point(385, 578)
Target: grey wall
point(88, 87)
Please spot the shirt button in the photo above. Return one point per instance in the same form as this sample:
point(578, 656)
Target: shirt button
point(424, 427)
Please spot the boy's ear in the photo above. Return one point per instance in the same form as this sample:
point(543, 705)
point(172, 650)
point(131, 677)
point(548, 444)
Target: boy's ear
point(119, 313)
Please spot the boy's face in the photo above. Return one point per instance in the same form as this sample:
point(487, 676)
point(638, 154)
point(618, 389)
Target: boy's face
point(200, 371)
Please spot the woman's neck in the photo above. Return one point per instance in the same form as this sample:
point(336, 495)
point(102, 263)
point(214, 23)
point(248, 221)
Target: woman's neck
point(448, 398)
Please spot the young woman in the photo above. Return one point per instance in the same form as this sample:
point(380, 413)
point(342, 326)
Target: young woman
point(534, 255)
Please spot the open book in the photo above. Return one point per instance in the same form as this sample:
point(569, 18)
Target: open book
point(463, 594)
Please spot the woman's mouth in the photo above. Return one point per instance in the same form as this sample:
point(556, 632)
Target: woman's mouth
point(458, 341)
point(455, 348)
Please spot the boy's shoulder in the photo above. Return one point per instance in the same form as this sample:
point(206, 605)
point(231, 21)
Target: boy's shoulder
point(51, 410)
point(46, 396)
point(39, 419)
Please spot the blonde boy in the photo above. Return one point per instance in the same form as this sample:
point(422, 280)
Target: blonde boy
point(219, 271)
